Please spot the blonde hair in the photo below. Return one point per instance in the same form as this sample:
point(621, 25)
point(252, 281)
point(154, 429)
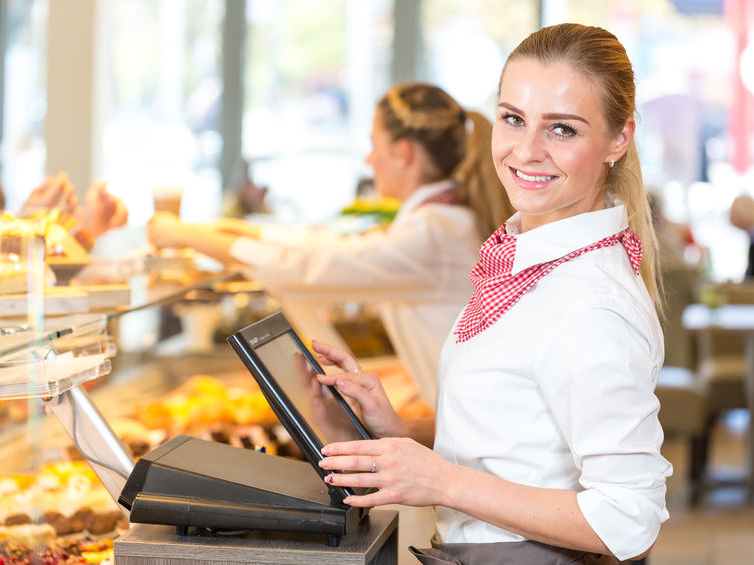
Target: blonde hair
point(457, 143)
point(599, 55)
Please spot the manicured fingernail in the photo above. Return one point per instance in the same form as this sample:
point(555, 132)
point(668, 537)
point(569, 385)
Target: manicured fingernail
point(326, 450)
point(329, 479)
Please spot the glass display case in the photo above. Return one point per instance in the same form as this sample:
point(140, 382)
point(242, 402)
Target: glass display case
point(97, 386)
point(69, 398)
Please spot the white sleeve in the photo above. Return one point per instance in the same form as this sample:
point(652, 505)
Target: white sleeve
point(395, 263)
point(599, 375)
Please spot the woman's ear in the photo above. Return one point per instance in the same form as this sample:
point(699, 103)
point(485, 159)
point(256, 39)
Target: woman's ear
point(403, 151)
point(622, 141)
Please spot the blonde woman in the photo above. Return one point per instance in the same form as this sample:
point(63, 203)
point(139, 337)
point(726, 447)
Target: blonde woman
point(546, 444)
point(427, 153)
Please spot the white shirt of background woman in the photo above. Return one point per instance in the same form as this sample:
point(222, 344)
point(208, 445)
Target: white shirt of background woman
point(416, 271)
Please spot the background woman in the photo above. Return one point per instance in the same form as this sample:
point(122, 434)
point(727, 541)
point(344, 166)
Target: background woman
point(429, 154)
point(546, 441)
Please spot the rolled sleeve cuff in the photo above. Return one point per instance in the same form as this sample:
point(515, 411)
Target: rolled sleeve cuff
point(627, 523)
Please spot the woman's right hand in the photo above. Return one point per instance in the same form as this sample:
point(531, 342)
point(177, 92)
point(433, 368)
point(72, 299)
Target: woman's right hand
point(365, 389)
point(164, 229)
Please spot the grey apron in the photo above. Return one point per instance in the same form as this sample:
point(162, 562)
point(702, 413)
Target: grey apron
point(506, 553)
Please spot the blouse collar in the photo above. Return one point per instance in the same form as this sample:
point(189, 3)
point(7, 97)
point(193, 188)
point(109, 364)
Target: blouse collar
point(556, 239)
point(421, 194)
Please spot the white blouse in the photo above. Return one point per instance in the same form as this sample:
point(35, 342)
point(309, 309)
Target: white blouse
point(559, 393)
point(416, 271)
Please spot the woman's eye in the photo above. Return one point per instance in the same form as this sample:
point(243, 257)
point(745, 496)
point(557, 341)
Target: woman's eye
point(563, 130)
point(513, 119)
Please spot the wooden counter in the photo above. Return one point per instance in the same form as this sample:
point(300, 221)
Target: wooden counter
point(375, 543)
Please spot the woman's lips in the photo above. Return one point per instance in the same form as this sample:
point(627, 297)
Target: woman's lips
point(531, 179)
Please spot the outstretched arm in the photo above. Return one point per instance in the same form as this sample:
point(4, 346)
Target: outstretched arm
point(166, 230)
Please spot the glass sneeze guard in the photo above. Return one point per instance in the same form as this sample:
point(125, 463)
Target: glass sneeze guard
point(69, 351)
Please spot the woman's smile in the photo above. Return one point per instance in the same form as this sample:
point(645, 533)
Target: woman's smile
point(531, 180)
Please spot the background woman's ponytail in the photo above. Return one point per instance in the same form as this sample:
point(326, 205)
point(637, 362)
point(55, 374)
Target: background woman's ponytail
point(457, 143)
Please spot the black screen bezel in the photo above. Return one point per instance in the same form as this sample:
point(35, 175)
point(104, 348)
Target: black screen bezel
point(244, 342)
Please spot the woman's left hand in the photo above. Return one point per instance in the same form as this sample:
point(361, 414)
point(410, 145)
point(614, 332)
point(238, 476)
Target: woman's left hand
point(405, 472)
point(102, 210)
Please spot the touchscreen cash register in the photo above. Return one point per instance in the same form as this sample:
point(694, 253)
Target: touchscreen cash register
point(188, 482)
point(284, 368)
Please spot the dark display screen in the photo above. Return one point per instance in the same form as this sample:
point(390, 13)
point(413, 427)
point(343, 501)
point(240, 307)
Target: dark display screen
point(295, 376)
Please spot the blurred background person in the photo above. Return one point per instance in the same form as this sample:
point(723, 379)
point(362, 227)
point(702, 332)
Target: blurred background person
point(100, 212)
point(245, 196)
point(432, 156)
point(742, 216)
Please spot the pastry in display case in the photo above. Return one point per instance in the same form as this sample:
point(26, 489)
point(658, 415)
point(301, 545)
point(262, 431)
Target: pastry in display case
point(57, 511)
point(47, 243)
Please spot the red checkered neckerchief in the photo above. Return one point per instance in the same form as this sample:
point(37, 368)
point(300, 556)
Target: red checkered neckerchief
point(496, 290)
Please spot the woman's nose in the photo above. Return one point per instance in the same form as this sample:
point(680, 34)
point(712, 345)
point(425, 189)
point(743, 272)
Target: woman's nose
point(369, 158)
point(529, 147)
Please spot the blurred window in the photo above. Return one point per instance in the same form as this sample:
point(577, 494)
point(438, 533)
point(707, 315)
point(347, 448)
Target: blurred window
point(160, 83)
point(466, 44)
point(313, 72)
point(22, 152)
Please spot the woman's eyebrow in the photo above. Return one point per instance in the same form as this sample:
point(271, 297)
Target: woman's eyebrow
point(551, 116)
point(565, 117)
point(511, 107)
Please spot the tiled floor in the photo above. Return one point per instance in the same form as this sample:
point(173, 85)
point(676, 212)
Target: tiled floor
point(721, 530)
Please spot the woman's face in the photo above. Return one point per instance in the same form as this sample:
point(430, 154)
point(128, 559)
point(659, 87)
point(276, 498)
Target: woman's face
point(384, 160)
point(550, 141)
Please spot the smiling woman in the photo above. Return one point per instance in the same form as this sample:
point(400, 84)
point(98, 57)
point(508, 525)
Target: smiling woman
point(546, 444)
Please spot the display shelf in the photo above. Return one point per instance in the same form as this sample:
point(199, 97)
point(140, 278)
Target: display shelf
point(67, 352)
point(50, 377)
point(18, 339)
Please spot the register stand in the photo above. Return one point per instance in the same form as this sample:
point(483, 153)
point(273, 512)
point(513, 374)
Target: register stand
point(375, 542)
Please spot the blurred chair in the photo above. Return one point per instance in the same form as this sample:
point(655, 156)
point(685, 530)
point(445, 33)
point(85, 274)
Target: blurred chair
point(683, 413)
point(721, 369)
point(681, 289)
point(722, 365)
